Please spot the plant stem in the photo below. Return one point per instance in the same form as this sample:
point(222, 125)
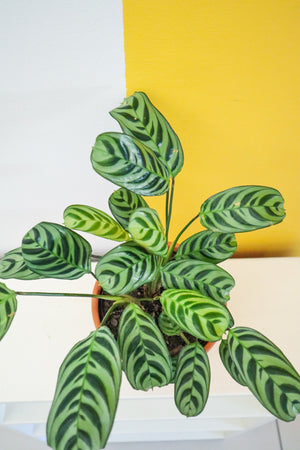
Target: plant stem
point(185, 339)
point(171, 249)
point(111, 309)
point(169, 207)
point(70, 294)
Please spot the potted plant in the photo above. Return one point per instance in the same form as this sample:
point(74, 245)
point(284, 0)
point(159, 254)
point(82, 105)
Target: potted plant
point(186, 287)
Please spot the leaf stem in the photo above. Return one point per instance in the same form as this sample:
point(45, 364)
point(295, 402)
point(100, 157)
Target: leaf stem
point(171, 249)
point(70, 294)
point(169, 207)
point(185, 339)
point(111, 309)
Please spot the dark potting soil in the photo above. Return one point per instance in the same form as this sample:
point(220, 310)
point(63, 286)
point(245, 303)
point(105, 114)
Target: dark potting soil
point(174, 343)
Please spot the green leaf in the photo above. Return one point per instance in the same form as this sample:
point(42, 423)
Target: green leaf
point(125, 268)
point(242, 208)
point(208, 246)
point(12, 265)
point(207, 278)
point(174, 361)
point(123, 203)
point(139, 118)
point(54, 251)
point(229, 364)
point(199, 316)
point(94, 221)
point(87, 394)
point(144, 353)
point(192, 380)
point(147, 230)
point(267, 372)
point(8, 308)
point(168, 326)
point(128, 163)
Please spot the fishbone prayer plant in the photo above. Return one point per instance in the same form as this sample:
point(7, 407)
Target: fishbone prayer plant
point(192, 289)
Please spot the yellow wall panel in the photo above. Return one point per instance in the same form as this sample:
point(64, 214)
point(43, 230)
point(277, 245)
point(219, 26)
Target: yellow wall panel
point(226, 75)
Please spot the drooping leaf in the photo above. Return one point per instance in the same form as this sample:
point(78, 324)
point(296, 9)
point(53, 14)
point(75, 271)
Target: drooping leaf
point(146, 359)
point(200, 316)
point(167, 325)
point(123, 203)
point(192, 380)
point(87, 394)
point(12, 265)
point(8, 308)
point(242, 208)
point(267, 372)
point(229, 364)
point(139, 118)
point(207, 278)
point(208, 246)
point(128, 163)
point(54, 251)
point(147, 230)
point(94, 221)
point(125, 268)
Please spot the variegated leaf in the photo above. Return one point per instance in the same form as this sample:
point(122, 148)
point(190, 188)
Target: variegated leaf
point(128, 163)
point(12, 265)
point(229, 365)
point(167, 325)
point(199, 316)
point(138, 117)
point(87, 394)
point(123, 203)
point(8, 308)
point(267, 372)
point(174, 361)
point(208, 246)
point(54, 251)
point(242, 208)
point(146, 360)
point(192, 380)
point(94, 221)
point(207, 278)
point(147, 230)
point(125, 268)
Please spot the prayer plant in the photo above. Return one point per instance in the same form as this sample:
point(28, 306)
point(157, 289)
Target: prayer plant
point(192, 289)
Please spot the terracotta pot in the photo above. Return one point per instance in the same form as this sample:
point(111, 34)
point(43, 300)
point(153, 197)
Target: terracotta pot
point(96, 317)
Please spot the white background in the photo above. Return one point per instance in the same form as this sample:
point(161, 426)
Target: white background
point(62, 70)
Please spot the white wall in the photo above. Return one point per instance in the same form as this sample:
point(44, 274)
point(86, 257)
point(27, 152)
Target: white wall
point(62, 70)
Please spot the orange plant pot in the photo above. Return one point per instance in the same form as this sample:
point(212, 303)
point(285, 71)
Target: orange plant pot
point(96, 318)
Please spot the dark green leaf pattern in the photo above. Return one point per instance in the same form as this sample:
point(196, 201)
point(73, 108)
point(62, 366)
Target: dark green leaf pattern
point(167, 325)
point(138, 117)
point(242, 208)
point(12, 265)
point(208, 246)
point(125, 268)
point(266, 371)
point(147, 230)
point(207, 278)
point(94, 221)
point(54, 251)
point(192, 380)
point(87, 394)
point(229, 364)
point(200, 316)
point(128, 163)
point(146, 359)
point(122, 203)
point(8, 308)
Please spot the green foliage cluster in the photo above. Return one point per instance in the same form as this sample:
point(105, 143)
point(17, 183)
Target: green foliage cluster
point(144, 160)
